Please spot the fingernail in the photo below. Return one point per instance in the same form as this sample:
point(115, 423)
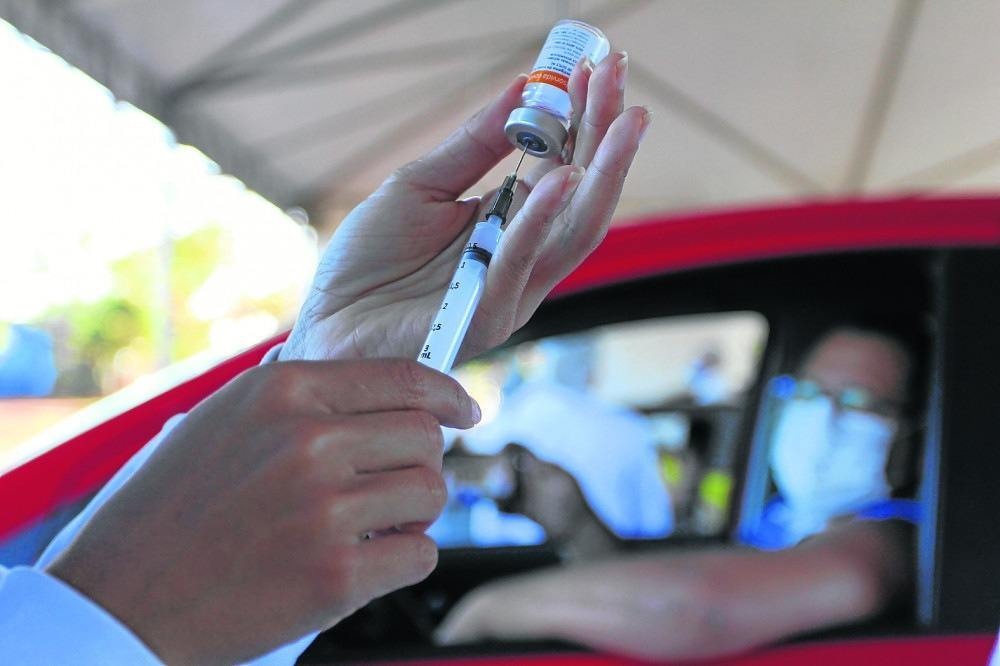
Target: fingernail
point(477, 412)
point(572, 181)
point(621, 70)
point(647, 120)
point(587, 65)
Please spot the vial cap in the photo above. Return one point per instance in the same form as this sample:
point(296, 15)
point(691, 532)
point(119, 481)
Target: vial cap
point(541, 133)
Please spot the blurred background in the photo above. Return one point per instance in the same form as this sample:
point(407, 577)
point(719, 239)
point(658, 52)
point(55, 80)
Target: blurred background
point(168, 170)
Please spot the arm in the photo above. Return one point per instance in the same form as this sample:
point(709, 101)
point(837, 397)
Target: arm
point(695, 604)
point(261, 499)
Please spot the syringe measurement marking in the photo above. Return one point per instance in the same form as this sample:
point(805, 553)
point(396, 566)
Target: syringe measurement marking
point(446, 334)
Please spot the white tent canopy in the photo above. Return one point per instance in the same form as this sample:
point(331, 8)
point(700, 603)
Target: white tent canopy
point(754, 101)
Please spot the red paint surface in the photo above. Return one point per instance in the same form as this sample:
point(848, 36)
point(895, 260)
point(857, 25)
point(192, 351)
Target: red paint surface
point(649, 247)
point(926, 651)
point(84, 463)
point(659, 245)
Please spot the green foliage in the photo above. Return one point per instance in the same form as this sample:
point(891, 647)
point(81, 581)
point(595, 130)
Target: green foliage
point(135, 315)
point(192, 261)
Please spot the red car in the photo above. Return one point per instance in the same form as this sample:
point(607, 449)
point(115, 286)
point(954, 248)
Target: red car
point(788, 271)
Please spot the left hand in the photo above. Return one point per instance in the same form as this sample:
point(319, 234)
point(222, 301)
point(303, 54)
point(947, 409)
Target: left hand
point(646, 606)
point(591, 605)
point(385, 271)
point(547, 494)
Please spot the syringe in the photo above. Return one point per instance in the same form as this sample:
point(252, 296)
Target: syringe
point(466, 287)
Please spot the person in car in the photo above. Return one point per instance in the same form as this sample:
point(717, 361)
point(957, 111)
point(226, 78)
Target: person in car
point(553, 403)
point(301, 491)
point(832, 547)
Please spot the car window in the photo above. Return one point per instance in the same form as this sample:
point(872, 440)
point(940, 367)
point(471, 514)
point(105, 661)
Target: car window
point(632, 424)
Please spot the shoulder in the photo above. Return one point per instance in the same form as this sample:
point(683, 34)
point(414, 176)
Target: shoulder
point(907, 510)
point(777, 528)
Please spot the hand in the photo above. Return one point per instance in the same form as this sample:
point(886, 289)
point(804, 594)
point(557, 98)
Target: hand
point(618, 606)
point(386, 268)
point(251, 524)
point(546, 493)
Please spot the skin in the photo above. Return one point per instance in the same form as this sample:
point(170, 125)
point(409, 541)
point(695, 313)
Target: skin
point(551, 497)
point(715, 602)
point(381, 279)
point(852, 358)
point(244, 530)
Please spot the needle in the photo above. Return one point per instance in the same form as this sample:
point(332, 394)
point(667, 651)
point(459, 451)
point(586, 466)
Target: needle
point(523, 153)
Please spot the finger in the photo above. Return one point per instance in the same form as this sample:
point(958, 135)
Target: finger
point(471, 619)
point(461, 625)
point(521, 608)
point(383, 500)
point(521, 193)
point(579, 81)
point(368, 386)
point(584, 223)
point(605, 100)
point(577, 88)
point(469, 153)
point(396, 560)
point(390, 440)
point(519, 249)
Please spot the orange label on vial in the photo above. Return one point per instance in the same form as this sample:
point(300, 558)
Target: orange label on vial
point(556, 79)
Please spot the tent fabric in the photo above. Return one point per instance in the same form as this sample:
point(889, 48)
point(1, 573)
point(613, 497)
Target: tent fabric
point(758, 101)
point(99, 53)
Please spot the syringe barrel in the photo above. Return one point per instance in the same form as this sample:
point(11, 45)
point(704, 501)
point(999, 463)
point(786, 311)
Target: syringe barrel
point(451, 322)
point(453, 318)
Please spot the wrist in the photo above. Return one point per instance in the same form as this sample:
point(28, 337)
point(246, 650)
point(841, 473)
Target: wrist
point(95, 587)
point(591, 539)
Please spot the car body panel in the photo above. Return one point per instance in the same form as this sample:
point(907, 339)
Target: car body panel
point(925, 651)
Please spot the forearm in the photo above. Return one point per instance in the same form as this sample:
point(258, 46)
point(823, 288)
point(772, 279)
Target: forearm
point(727, 601)
point(693, 604)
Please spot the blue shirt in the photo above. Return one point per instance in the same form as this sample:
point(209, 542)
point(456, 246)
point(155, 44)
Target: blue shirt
point(772, 530)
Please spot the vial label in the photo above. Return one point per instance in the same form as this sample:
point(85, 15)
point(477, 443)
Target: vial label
point(566, 45)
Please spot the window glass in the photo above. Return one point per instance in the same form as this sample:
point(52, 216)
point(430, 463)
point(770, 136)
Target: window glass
point(620, 432)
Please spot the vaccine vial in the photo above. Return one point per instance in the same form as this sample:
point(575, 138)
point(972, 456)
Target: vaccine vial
point(541, 124)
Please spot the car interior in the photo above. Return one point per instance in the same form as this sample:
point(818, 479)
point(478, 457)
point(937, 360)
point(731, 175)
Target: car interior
point(778, 308)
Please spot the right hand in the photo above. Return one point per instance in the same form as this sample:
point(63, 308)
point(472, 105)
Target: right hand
point(246, 529)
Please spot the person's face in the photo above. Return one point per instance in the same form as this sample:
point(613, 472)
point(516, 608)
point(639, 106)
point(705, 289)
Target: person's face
point(865, 369)
point(834, 435)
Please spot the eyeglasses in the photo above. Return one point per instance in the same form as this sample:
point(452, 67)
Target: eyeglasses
point(850, 398)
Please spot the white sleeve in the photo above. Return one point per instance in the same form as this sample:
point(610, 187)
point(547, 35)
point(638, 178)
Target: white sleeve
point(45, 621)
point(284, 655)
